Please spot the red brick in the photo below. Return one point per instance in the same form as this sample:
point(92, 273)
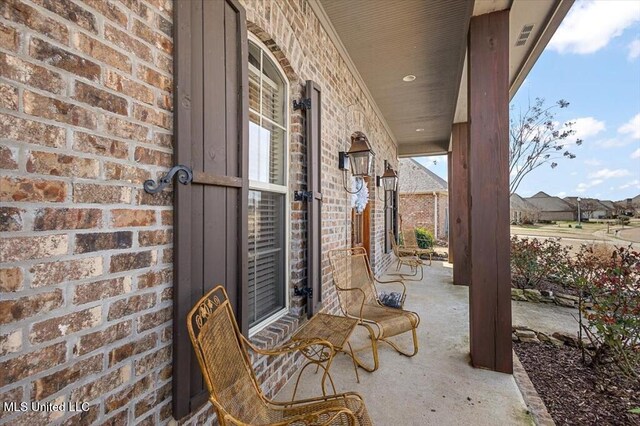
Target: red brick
point(132, 348)
point(26, 248)
point(23, 189)
point(123, 307)
point(123, 84)
point(109, 10)
point(20, 13)
point(167, 217)
point(92, 144)
point(64, 325)
point(54, 109)
point(165, 25)
point(140, 9)
point(117, 420)
point(153, 157)
point(53, 383)
point(88, 417)
point(101, 386)
point(51, 163)
point(165, 102)
point(154, 319)
point(125, 173)
point(129, 217)
point(129, 261)
point(26, 365)
point(92, 341)
point(128, 394)
point(10, 279)
point(71, 12)
point(164, 63)
point(153, 360)
point(29, 306)
point(9, 38)
point(102, 194)
point(155, 238)
point(63, 59)
point(15, 394)
point(158, 40)
point(8, 158)
point(44, 274)
point(167, 294)
point(100, 98)
point(155, 79)
point(8, 97)
point(33, 75)
point(47, 219)
point(126, 130)
point(29, 131)
point(105, 289)
point(10, 342)
point(11, 219)
point(101, 52)
point(167, 255)
point(98, 241)
point(125, 41)
point(163, 198)
point(154, 278)
point(144, 405)
point(151, 116)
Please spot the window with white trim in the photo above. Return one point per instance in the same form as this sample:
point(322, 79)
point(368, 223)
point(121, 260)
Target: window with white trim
point(268, 187)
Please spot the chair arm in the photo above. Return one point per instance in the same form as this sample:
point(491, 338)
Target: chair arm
point(404, 287)
point(354, 289)
point(290, 346)
point(325, 398)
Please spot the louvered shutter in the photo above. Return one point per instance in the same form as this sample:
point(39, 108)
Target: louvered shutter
point(211, 119)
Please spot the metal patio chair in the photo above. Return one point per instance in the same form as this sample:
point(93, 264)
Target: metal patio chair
point(233, 388)
point(406, 256)
point(410, 241)
point(358, 296)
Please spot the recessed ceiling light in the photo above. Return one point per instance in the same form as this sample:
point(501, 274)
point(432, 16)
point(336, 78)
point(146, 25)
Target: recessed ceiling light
point(419, 130)
point(409, 77)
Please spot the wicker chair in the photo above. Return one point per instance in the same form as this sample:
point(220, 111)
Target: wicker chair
point(358, 296)
point(233, 388)
point(410, 240)
point(407, 256)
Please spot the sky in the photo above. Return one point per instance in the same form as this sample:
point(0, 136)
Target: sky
point(593, 62)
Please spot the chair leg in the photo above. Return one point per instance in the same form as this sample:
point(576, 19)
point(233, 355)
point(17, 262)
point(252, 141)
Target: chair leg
point(400, 351)
point(374, 350)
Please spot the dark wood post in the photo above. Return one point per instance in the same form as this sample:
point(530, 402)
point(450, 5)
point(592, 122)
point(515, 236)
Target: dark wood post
point(449, 231)
point(459, 204)
point(490, 290)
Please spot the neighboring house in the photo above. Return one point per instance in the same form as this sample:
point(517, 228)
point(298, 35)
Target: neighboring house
point(592, 208)
point(522, 211)
point(255, 99)
point(552, 208)
point(628, 207)
point(424, 198)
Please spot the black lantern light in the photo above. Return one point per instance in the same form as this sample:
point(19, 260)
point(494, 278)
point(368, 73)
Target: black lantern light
point(389, 179)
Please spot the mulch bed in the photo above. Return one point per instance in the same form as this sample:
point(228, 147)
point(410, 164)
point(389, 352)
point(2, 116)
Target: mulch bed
point(576, 394)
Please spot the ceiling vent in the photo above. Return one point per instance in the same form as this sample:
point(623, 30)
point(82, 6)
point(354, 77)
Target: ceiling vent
point(524, 35)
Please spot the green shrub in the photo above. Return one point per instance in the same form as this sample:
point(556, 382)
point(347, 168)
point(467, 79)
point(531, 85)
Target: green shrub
point(425, 238)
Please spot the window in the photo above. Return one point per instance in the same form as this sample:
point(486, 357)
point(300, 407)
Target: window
point(268, 200)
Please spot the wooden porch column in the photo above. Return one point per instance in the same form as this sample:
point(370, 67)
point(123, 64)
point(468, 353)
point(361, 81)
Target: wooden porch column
point(490, 290)
point(459, 204)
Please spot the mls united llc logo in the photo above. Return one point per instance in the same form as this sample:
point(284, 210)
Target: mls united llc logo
point(45, 406)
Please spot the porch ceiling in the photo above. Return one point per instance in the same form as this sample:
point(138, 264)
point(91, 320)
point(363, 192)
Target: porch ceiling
point(387, 40)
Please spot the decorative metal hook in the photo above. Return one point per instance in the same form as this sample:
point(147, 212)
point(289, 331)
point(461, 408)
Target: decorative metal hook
point(185, 176)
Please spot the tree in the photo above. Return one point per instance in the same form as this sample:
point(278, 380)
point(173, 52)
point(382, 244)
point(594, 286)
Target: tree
point(588, 206)
point(535, 139)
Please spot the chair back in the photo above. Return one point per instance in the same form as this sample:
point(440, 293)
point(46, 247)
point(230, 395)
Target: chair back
point(351, 270)
point(394, 244)
point(223, 358)
point(409, 237)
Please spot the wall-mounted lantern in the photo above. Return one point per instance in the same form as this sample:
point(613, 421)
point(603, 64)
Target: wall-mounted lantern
point(389, 179)
point(359, 159)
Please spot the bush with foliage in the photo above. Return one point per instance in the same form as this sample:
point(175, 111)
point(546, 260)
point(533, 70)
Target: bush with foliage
point(425, 238)
point(533, 260)
point(613, 323)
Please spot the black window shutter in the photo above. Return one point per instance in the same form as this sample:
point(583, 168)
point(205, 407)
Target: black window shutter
point(314, 207)
point(211, 125)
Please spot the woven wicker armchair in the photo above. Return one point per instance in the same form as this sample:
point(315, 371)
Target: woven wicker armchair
point(356, 287)
point(410, 240)
point(233, 388)
point(407, 256)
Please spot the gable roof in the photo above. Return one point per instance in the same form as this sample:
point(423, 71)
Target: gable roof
point(591, 203)
point(541, 194)
point(546, 203)
point(517, 203)
point(416, 178)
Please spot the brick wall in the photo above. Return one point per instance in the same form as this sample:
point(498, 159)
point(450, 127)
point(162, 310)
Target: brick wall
point(418, 210)
point(85, 254)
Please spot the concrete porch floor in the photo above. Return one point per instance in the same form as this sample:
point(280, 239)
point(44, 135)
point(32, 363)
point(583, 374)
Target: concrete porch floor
point(437, 386)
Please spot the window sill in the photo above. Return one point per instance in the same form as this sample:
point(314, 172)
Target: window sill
point(277, 332)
